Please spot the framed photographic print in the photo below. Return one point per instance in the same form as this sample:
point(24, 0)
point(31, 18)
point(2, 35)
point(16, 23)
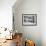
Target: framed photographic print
point(29, 19)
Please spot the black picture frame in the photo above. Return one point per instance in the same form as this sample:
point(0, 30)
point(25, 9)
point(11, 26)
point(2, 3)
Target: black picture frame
point(29, 19)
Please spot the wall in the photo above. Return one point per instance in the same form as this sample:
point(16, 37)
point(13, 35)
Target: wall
point(28, 7)
point(43, 22)
point(6, 13)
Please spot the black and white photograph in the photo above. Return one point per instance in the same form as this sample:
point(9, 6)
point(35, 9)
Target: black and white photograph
point(29, 19)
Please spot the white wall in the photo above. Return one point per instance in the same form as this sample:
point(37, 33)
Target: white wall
point(6, 13)
point(28, 7)
point(43, 22)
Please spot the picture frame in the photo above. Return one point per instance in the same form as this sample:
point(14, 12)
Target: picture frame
point(29, 19)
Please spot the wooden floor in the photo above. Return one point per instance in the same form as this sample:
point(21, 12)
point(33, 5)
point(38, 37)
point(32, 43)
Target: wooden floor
point(9, 43)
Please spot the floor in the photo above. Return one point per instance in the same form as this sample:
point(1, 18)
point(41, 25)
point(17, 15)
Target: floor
point(9, 43)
